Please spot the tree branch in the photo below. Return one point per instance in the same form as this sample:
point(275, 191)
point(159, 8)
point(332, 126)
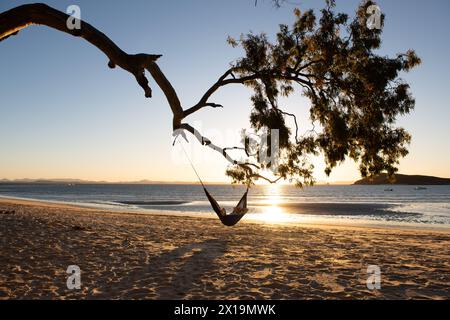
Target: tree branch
point(295, 121)
point(257, 175)
point(169, 92)
point(16, 19)
point(237, 148)
point(200, 106)
point(206, 142)
point(222, 81)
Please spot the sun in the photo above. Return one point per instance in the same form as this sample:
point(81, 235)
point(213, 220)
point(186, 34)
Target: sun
point(272, 214)
point(272, 211)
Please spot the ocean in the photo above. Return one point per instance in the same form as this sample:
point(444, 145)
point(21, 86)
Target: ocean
point(392, 205)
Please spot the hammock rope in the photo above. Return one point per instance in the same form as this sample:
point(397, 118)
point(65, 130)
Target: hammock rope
point(192, 165)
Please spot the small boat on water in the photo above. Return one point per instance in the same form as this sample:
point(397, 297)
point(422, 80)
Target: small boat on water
point(420, 188)
point(388, 189)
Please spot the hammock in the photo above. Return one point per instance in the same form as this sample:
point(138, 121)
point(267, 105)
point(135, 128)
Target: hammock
point(229, 219)
point(238, 212)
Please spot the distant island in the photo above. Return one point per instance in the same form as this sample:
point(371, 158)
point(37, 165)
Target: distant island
point(80, 181)
point(404, 179)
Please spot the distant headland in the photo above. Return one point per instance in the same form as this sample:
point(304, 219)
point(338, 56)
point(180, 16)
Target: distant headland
point(404, 179)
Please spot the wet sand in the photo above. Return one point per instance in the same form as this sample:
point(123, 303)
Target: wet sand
point(132, 256)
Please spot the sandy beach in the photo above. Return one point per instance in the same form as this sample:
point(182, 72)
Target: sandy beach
point(132, 256)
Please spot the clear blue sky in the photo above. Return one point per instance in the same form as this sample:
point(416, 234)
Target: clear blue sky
point(65, 114)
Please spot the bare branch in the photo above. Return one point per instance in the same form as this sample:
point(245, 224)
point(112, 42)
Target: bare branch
point(257, 175)
point(200, 106)
point(222, 81)
point(206, 142)
point(295, 121)
point(16, 19)
point(169, 92)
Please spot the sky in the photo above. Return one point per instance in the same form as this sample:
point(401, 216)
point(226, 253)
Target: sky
point(65, 114)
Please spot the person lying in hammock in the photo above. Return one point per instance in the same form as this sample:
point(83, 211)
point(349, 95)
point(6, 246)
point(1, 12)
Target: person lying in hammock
point(223, 212)
point(236, 211)
point(239, 210)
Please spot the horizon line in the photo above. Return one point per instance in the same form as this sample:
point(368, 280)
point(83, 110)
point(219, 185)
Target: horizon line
point(147, 181)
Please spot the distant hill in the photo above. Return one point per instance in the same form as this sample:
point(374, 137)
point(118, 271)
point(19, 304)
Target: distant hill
point(50, 181)
point(79, 181)
point(404, 179)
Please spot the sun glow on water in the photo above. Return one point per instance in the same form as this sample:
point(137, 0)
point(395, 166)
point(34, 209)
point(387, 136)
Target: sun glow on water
point(272, 212)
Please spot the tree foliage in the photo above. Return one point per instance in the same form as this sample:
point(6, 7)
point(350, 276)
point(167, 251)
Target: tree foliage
point(355, 94)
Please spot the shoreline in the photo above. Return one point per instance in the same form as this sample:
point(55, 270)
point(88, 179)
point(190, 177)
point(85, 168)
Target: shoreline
point(143, 256)
point(317, 221)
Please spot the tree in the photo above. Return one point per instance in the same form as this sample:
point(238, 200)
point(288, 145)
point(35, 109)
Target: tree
point(355, 94)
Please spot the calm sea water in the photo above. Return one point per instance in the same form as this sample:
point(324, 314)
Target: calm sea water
point(402, 205)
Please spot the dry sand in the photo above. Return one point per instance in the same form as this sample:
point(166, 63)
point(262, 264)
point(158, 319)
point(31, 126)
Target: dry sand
point(130, 256)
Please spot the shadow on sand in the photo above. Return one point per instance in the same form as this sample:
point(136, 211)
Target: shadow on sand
point(170, 275)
